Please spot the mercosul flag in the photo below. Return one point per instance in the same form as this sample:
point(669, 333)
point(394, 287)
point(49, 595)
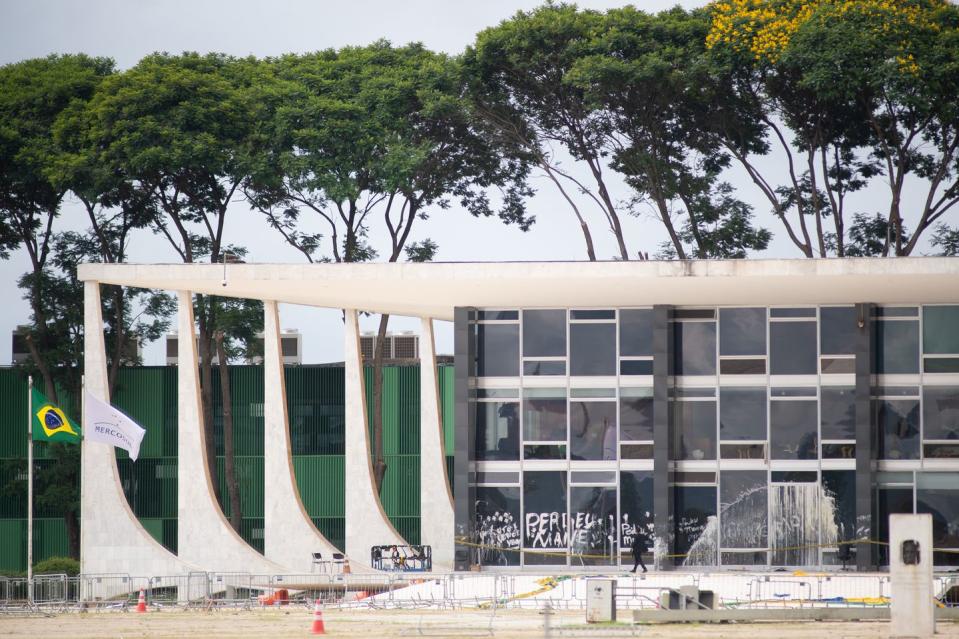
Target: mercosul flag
point(50, 424)
point(108, 425)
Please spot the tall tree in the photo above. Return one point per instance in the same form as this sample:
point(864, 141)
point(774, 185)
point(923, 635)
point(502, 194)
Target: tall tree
point(518, 73)
point(848, 92)
point(647, 74)
point(180, 128)
point(33, 93)
point(377, 132)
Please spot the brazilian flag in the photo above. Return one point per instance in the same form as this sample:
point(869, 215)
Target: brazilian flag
point(50, 423)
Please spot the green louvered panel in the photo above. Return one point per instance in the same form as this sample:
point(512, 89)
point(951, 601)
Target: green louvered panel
point(13, 417)
point(401, 494)
point(246, 393)
point(320, 479)
point(314, 396)
point(249, 473)
point(400, 409)
point(154, 526)
point(148, 395)
point(447, 379)
point(13, 558)
point(150, 485)
point(49, 539)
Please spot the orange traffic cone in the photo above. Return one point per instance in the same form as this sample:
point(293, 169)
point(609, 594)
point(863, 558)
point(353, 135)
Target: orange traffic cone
point(318, 628)
point(142, 602)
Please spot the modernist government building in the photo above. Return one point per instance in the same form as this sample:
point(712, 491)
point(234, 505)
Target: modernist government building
point(749, 413)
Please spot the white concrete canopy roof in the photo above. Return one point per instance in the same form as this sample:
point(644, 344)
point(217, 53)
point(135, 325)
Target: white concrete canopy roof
point(435, 289)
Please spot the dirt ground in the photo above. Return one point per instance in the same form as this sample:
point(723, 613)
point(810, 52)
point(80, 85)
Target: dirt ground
point(297, 622)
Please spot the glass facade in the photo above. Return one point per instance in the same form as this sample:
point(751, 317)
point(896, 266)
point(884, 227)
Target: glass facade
point(761, 415)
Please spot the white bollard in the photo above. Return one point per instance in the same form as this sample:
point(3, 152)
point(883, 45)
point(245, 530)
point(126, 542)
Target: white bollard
point(910, 567)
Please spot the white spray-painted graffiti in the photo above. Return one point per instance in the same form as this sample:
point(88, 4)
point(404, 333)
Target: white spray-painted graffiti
point(546, 530)
point(496, 532)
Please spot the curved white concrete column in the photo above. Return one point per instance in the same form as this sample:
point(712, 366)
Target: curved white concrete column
point(436, 500)
point(289, 536)
point(366, 522)
point(112, 540)
point(204, 536)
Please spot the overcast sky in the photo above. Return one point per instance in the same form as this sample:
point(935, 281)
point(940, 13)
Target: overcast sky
point(126, 30)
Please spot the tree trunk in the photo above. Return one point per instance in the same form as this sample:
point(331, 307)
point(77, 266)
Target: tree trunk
point(119, 336)
point(229, 457)
point(379, 460)
point(206, 391)
point(72, 524)
point(49, 388)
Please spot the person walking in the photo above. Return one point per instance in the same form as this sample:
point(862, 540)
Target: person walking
point(639, 547)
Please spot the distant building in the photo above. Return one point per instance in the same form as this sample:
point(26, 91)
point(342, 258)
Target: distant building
point(405, 345)
point(291, 348)
point(20, 350)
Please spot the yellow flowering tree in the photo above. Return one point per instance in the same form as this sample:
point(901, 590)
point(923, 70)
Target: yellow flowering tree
point(850, 91)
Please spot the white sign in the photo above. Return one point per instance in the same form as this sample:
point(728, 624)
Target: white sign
point(105, 424)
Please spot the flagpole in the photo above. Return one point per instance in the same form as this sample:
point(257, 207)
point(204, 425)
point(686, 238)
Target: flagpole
point(30, 489)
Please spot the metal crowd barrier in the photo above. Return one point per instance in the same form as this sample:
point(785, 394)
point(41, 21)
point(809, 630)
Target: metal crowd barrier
point(486, 590)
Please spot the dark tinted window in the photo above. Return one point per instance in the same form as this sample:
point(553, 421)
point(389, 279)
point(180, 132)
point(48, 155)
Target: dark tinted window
point(592, 513)
point(548, 367)
point(544, 419)
point(635, 507)
point(840, 486)
point(742, 331)
point(592, 349)
point(636, 367)
point(497, 430)
point(636, 418)
point(694, 430)
point(752, 366)
point(938, 494)
point(592, 315)
point(544, 333)
point(838, 412)
point(544, 497)
point(940, 412)
point(898, 428)
point(742, 413)
point(497, 315)
point(897, 347)
point(497, 350)
point(838, 330)
point(892, 501)
point(694, 506)
point(544, 451)
point(792, 348)
point(636, 332)
point(940, 329)
point(497, 525)
point(792, 429)
point(694, 348)
point(592, 430)
point(743, 509)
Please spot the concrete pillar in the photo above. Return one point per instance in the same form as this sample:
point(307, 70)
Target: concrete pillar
point(865, 438)
point(662, 494)
point(112, 540)
point(464, 350)
point(436, 500)
point(366, 522)
point(289, 536)
point(204, 536)
point(912, 609)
